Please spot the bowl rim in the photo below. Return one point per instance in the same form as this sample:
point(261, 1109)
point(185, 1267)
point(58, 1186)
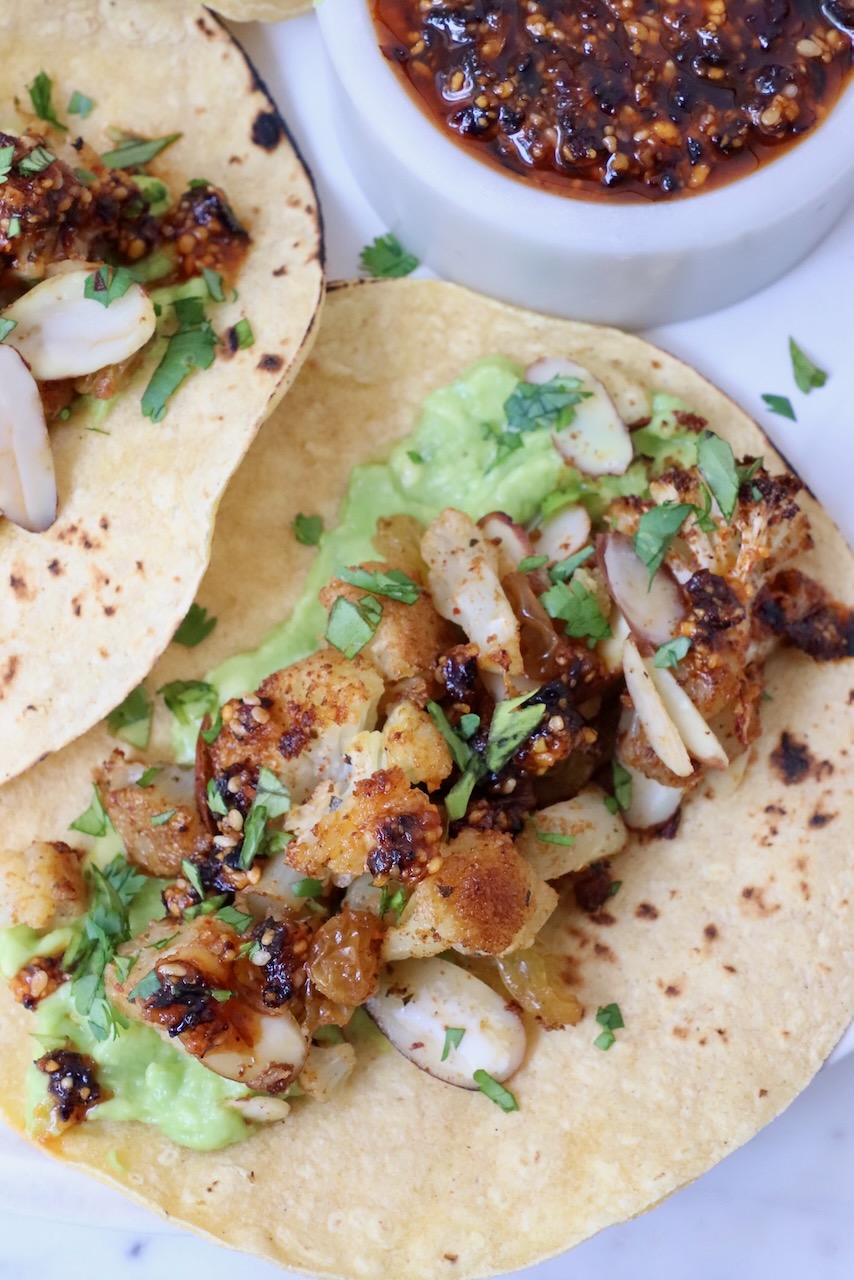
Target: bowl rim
point(778, 189)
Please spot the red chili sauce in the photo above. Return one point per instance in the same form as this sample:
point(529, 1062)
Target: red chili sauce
point(625, 99)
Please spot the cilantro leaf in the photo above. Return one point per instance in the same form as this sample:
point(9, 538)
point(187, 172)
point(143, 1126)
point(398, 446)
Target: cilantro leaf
point(131, 719)
point(35, 161)
point(622, 797)
point(351, 626)
point(469, 725)
point(80, 105)
point(6, 327)
point(533, 406)
point(656, 530)
point(239, 920)
point(496, 1092)
point(7, 155)
point(605, 1040)
point(392, 902)
point(563, 570)
point(808, 376)
point(191, 346)
point(210, 735)
point(457, 799)
point(191, 874)
point(146, 987)
point(195, 628)
point(132, 153)
point(717, 467)
point(307, 888)
point(671, 653)
point(160, 819)
point(387, 259)
point(780, 405)
point(453, 1036)
point(461, 752)
point(395, 584)
point(254, 832)
point(107, 284)
point(41, 91)
point(272, 793)
point(530, 563)
point(215, 802)
point(189, 700)
point(243, 334)
point(94, 821)
point(145, 779)
point(579, 609)
point(609, 1016)
point(554, 837)
point(213, 283)
point(512, 723)
point(307, 529)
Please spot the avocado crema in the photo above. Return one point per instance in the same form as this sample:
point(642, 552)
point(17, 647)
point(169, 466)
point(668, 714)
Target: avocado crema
point(461, 455)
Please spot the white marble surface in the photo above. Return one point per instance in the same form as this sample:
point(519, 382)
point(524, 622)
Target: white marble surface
point(780, 1207)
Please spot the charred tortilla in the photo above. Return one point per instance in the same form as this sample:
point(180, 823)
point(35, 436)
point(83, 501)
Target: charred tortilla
point(89, 605)
point(727, 947)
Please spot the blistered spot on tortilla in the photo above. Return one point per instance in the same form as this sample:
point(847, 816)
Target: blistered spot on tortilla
point(729, 968)
point(794, 763)
point(270, 363)
point(235, 159)
point(722, 1032)
point(570, 971)
point(763, 1093)
point(604, 952)
point(450, 1257)
point(603, 917)
point(18, 583)
point(76, 533)
point(819, 819)
point(232, 341)
point(76, 607)
point(109, 610)
point(140, 567)
point(283, 271)
point(267, 130)
point(646, 911)
point(104, 523)
point(775, 808)
point(54, 567)
point(805, 891)
point(681, 1033)
point(205, 29)
point(711, 932)
point(8, 675)
point(672, 990)
point(753, 901)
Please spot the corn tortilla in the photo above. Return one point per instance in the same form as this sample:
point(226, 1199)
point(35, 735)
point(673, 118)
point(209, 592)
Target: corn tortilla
point(89, 605)
point(727, 948)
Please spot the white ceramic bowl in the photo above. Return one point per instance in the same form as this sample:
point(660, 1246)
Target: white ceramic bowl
point(629, 265)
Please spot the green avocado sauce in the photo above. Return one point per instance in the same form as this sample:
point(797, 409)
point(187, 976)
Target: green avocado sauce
point(453, 459)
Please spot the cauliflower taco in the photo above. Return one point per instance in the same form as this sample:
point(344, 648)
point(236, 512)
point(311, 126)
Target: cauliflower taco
point(512, 837)
point(161, 270)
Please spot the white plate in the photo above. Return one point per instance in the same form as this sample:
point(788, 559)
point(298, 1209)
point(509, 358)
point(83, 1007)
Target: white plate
point(778, 1208)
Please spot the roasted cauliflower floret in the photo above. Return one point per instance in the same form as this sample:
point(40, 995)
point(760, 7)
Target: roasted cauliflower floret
point(156, 844)
point(484, 898)
point(383, 826)
point(301, 721)
point(466, 589)
point(43, 887)
point(412, 742)
point(408, 638)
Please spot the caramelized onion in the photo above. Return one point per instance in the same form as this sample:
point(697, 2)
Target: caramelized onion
point(540, 644)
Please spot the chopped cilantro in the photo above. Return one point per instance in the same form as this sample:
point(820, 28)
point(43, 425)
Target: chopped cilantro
point(249, 949)
point(41, 92)
point(210, 735)
point(351, 626)
point(563, 570)
point(533, 406)
point(307, 529)
point(189, 700)
point(469, 725)
point(272, 793)
point(461, 752)
point(146, 986)
point(7, 155)
point(717, 467)
point(124, 964)
point(160, 819)
point(13, 229)
point(611, 1019)
point(244, 335)
point(530, 563)
point(496, 1092)
point(415, 457)
point(191, 874)
point(512, 723)
point(808, 376)
point(453, 1036)
point(254, 832)
point(6, 327)
point(191, 346)
point(457, 799)
point(80, 105)
point(221, 995)
point(194, 183)
point(392, 902)
point(164, 942)
point(614, 888)
point(132, 153)
point(307, 888)
point(554, 837)
point(145, 779)
point(86, 176)
point(195, 628)
point(579, 609)
point(107, 284)
point(671, 653)
point(239, 920)
point(780, 405)
point(131, 719)
point(35, 161)
point(622, 785)
point(213, 282)
point(94, 822)
point(387, 259)
point(656, 530)
point(215, 802)
point(395, 584)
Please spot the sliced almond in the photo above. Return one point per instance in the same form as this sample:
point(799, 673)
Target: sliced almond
point(510, 540)
point(63, 334)
point(693, 730)
point(610, 650)
point(653, 609)
point(277, 1054)
point(597, 441)
point(418, 1001)
point(662, 733)
point(27, 479)
point(563, 534)
point(652, 803)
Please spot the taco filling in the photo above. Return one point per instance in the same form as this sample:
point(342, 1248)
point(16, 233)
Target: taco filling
point(100, 266)
point(383, 826)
